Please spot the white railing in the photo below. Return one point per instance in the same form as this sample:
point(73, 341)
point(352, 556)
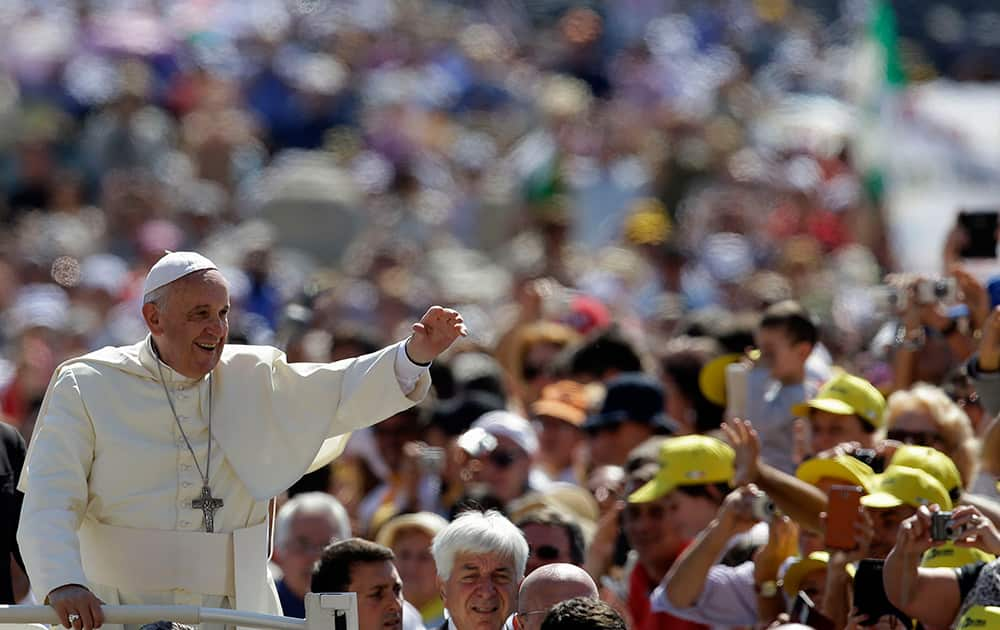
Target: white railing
point(321, 611)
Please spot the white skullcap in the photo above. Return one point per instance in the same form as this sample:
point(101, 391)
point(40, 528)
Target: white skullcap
point(511, 426)
point(174, 266)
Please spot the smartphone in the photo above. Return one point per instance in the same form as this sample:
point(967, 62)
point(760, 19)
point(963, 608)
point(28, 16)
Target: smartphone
point(804, 612)
point(981, 228)
point(841, 514)
point(869, 593)
point(737, 376)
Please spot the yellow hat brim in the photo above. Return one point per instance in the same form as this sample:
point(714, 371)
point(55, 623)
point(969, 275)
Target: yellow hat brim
point(712, 378)
point(652, 490)
point(830, 405)
point(881, 501)
point(798, 572)
point(812, 470)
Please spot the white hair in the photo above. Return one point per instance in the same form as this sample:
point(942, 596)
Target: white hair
point(157, 296)
point(479, 532)
point(311, 503)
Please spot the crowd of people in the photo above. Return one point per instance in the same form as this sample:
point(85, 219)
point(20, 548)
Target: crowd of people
point(692, 388)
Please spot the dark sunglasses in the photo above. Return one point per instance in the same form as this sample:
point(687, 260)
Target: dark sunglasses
point(921, 438)
point(531, 372)
point(545, 552)
point(502, 459)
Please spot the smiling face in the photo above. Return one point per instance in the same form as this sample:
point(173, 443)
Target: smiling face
point(191, 324)
point(481, 590)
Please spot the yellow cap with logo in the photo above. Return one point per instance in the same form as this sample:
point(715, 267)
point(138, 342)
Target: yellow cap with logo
point(950, 556)
point(902, 485)
point(800, 567)
point(980, 618)
point(931, 461)
point(846, 395)
point(841, 467)
point(688, 460)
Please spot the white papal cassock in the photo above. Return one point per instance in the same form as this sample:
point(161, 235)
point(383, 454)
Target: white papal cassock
point(109, 481)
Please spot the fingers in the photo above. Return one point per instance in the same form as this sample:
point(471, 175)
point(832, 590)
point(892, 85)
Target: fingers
point(63, 614)
point(86, 618)
point(96, 612)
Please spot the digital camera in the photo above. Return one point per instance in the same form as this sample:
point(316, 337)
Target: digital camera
point(943, 527)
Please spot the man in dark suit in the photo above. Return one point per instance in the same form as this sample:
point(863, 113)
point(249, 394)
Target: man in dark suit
point(480, 559)
point(11, 460)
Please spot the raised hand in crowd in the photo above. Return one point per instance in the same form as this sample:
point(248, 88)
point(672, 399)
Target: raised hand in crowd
point(989, 344)
point(974, 295)
point(836, 597)
point(434, 333)
point(931, 596)
point(801, 501)
point(782, 544)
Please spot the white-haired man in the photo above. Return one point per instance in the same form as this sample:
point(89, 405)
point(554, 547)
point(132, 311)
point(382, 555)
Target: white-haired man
point(545, 587)
point(306, 524)
point(152, 467)
point(480, 559)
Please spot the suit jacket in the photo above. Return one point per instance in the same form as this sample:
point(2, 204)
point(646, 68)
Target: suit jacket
point(11, 460)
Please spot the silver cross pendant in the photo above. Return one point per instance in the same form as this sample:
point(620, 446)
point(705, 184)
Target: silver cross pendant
point(208, 505)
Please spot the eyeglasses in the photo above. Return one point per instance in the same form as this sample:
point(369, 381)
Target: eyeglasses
point(530, 372)
point(546, 552)
point(502, 459)
point(532, 612)
point(922, 438)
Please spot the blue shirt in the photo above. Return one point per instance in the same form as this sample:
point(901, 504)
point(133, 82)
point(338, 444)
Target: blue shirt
point(291, 604)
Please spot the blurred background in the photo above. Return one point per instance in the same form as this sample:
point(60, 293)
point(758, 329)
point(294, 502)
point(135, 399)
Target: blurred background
point(349, 163)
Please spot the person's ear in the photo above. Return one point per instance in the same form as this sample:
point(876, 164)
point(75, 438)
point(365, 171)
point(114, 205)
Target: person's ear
point(153, 317)
point(803, 350)
point(440, 584)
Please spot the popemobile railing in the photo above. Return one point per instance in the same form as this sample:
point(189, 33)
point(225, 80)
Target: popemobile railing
point(323, 611)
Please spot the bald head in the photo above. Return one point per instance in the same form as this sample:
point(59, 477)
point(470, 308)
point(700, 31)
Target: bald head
point(548, 585)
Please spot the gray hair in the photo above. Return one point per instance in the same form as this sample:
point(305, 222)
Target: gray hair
point(311, 503)
point(157, 296)
point(479, 532)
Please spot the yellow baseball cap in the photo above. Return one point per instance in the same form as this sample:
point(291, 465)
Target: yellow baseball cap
point(931, 461)
point(902, 485)
point(712, 378)
point(841, 467)
point(800, 567)
point(688, 460)
point(950, 556)
point(980, 618)
point(846, 395)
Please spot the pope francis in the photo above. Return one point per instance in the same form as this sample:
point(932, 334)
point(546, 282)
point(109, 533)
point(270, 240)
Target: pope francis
point(152, 466)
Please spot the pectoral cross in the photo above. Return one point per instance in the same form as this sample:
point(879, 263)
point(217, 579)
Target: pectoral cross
point(208, 505)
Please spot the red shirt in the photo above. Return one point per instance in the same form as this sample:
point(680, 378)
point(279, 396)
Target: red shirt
point(640, 586)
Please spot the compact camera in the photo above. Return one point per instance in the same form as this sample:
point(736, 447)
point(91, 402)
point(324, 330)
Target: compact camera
point(940, 290)
point(943, 527)
point(763, 508)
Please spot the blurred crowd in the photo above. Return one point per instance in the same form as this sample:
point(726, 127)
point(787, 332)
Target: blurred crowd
point(649, 217)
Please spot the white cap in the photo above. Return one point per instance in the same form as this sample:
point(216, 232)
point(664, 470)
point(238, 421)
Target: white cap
point(174, 266)
point(511, 426)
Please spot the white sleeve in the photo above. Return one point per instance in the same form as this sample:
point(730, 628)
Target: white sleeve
point(407, 372)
